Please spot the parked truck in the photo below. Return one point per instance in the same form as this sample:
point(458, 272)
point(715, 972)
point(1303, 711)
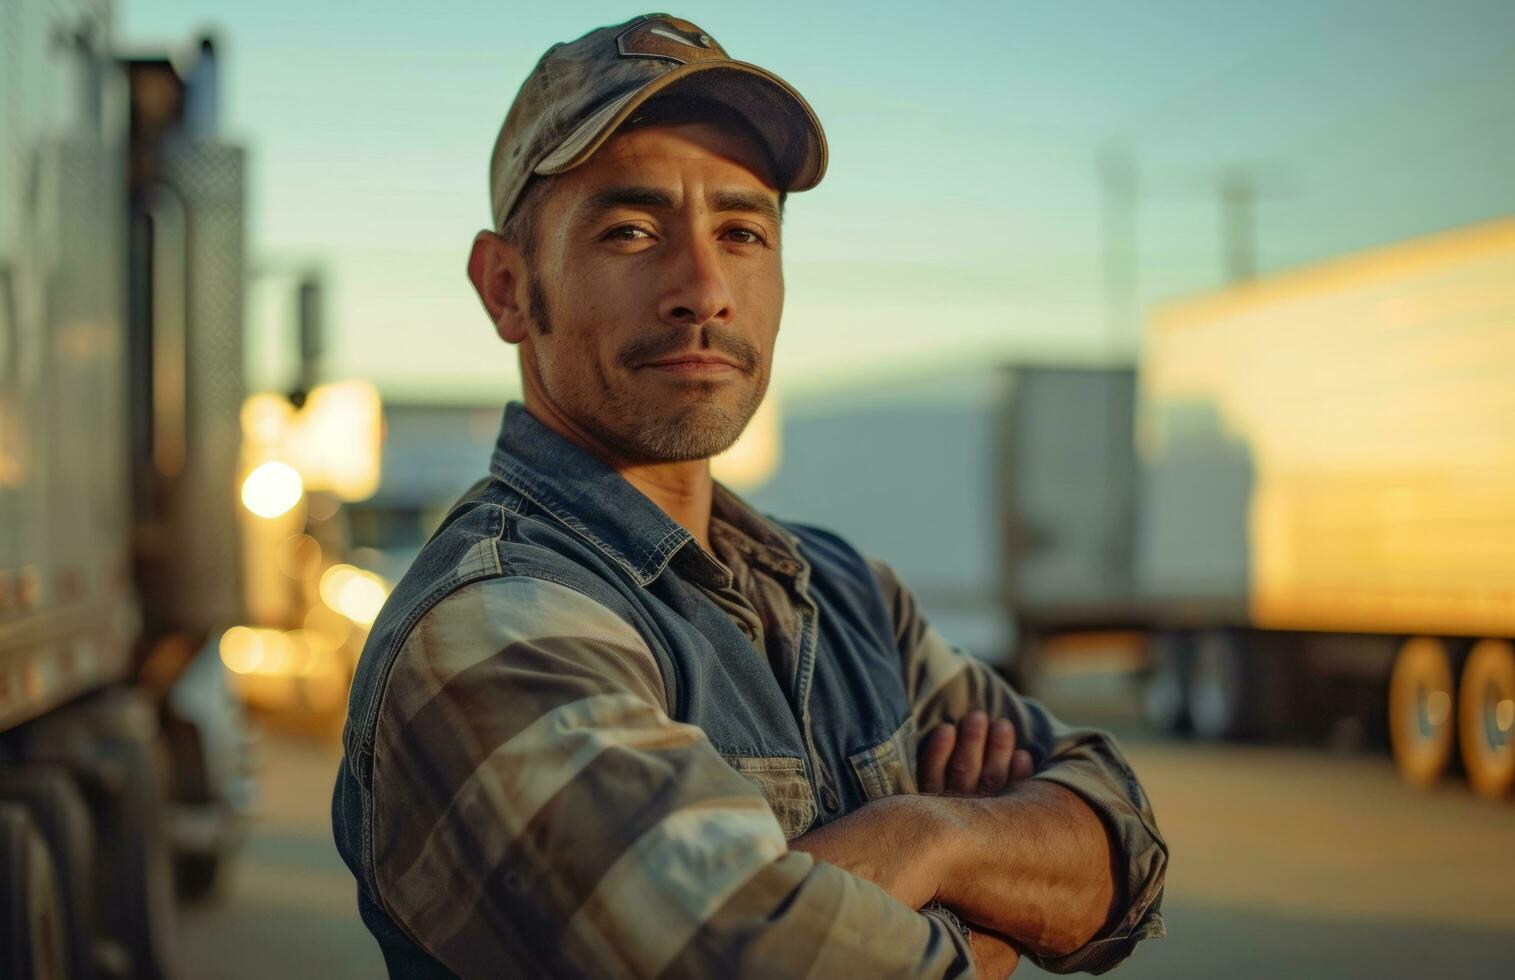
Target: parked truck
point(122, 756)
point(1327, 489)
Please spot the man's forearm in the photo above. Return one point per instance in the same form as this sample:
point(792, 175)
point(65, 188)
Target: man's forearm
point(1034, 864)
point(895, 842)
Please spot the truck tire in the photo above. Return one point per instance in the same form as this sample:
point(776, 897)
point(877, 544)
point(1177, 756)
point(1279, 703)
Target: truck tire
point(111, 743)
point(61, 817)
point(1486, 718)
point(1165, 700)
point(1420, 710)
point(135, 856)
point(32, 940)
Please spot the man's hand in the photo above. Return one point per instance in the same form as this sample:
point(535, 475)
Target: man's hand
point(1024, 861)
point(993, 955)
point(974, 758)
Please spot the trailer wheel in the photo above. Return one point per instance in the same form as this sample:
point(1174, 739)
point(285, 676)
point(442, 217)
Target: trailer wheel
point(1420, 710)
point(137, 859)
point(61, 817)
point(123, 769)
point(31, 909)
point(1486, 718)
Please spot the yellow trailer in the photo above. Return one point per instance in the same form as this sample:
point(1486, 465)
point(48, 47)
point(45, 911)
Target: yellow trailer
point(1332, 452)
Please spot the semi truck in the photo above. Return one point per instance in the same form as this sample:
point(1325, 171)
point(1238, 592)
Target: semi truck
point(1300, 503)
point(1327, 489)
point(123, 757)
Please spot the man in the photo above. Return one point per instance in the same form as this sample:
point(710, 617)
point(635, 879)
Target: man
point(613, 722)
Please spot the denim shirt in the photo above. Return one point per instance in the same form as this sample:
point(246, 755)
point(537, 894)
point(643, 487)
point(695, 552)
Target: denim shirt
point(556, 558)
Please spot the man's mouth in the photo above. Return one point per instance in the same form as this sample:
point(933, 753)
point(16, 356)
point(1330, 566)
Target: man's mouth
point(700, 365)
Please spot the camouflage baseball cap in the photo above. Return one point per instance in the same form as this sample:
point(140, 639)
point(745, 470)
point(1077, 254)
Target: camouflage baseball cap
point(580, 91)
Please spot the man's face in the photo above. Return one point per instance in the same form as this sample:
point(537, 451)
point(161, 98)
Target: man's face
point(657, 291)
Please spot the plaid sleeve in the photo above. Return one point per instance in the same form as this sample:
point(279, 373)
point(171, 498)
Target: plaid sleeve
point(944, 684)
point(536, 811)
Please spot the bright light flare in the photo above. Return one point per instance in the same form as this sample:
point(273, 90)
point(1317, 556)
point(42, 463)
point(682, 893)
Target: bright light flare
point(354, 593)
point(272, 489)
point(361, 599)
point(242, 650)
point(339, 443)
point(332, 581)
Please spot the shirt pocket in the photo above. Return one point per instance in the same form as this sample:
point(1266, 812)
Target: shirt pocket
point(888, 769)
point(783, 784)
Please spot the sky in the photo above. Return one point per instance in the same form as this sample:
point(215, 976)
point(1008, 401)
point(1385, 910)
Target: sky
point(960, 220)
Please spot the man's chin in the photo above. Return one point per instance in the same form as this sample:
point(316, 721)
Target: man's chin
point(698, 432)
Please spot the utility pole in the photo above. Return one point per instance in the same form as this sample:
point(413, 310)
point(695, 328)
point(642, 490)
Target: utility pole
point(1238, 200)
point(308, 317)
point(1238, 189)
point(309, 294)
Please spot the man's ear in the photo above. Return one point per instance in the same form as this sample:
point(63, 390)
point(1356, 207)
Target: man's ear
point(498, 273)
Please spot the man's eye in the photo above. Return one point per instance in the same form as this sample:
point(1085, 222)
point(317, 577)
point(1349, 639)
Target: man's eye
point(753, 238)
point(626, 233)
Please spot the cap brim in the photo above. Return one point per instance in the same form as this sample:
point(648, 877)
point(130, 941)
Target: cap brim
point(780, 115)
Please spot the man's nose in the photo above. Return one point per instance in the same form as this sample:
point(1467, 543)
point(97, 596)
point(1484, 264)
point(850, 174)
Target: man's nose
point(698, 293)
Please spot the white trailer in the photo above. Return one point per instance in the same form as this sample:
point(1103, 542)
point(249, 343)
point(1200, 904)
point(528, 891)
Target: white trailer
point(1001, 495)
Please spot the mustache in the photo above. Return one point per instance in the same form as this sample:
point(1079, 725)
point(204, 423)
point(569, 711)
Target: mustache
point(662, 344)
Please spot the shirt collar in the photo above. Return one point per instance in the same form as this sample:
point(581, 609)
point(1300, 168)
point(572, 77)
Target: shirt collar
point(757, 537)
point(619, 520)
point(586, 495)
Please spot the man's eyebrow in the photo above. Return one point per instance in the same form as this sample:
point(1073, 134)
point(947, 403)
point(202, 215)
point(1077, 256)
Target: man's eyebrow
point(610, 198)
point(747, 201)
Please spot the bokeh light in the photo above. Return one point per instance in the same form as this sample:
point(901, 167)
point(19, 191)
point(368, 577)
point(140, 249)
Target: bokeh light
point(272, 489)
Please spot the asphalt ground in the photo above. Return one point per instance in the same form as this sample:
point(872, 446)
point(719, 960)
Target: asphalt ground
point(1285, 862)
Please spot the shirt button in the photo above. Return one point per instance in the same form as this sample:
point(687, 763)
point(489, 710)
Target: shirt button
point(829, 800)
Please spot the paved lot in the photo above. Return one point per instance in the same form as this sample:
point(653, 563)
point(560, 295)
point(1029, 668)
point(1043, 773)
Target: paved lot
point(1286, 863)
point(287, 910)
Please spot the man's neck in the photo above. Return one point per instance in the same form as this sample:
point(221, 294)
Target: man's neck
point(684, 491)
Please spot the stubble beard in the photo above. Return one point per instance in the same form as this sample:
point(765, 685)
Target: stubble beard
point(698, 431)
point(634, 426)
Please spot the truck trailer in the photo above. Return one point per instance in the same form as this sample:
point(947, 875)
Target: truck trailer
point(122, 755)
point(1327, 489)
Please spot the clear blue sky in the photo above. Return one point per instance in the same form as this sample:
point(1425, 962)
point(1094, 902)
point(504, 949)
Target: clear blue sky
point(960, 217)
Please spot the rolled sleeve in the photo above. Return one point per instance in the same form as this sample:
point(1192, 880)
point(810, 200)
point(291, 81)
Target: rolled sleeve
point(538, 812)
point(1098, 773)
point(944, 684)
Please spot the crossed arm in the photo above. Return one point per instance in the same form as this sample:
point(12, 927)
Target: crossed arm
point(1027, 863)
point(1036, 833)
point(536, 810)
